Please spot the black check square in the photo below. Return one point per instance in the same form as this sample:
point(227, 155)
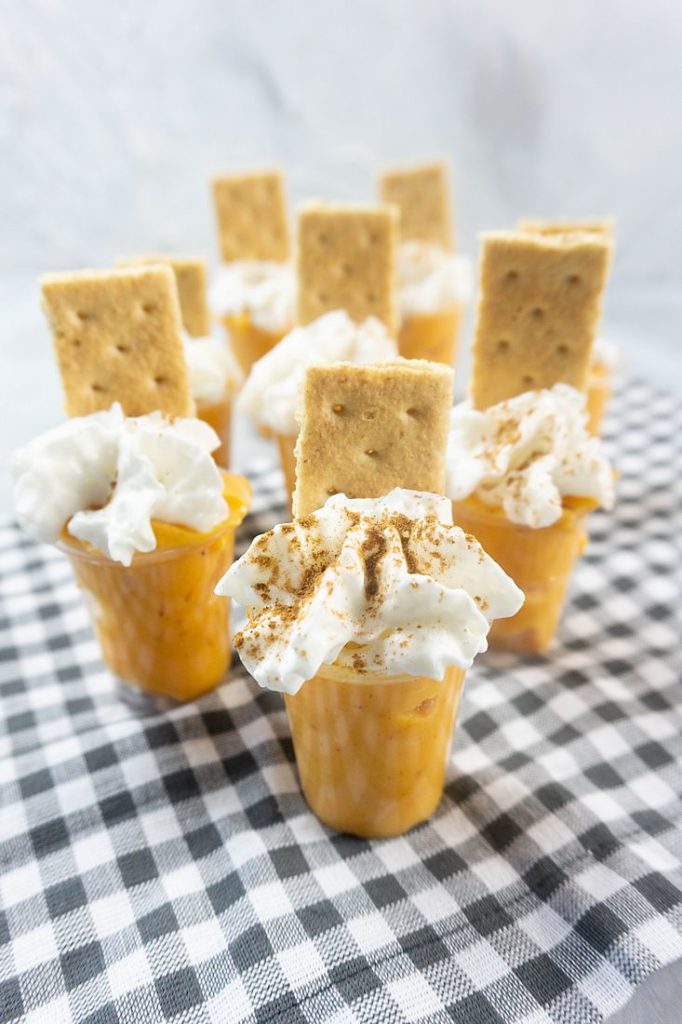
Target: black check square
point(81, 964)
point(225, 893)
point(203, 841)
point(11, 1000)
point(543, 979)
point(100, 758)
point(252, 947)
point(117, 807)
point(158, 922)
point(36, 782)
point(289, 862)
point(137, 867)
point(425, 947)
point(354, 979)
point(600, 927)
point(178, 992)
point(181, 785)
point(50, 836)
point(319, 917)
point(285, 1008)
point(66, 896)
point(472, 1008)
point(487, 915)
point(384, 891)
point(660, 892)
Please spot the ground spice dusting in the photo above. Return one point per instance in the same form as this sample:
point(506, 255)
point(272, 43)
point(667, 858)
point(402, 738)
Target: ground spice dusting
point(359, 663)
point(425, 544)
point(372, 552)
point(267, 562)
point(410, 560)
point(507, 433)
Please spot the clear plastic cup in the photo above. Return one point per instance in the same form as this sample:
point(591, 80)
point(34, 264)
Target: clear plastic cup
point(371, 750)
point(161, 627)
point(539, 561)
point(598, 394)
point(431, 336)
point(249, 342)
point(219, 416)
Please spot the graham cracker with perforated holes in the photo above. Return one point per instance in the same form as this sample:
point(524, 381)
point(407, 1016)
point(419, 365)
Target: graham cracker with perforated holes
point(251, 211)
point(346, 260)
point(368, 429)
point(566, 227)
point(117, 339)
point(539, 305)
point(422, 195)
point(190, 278)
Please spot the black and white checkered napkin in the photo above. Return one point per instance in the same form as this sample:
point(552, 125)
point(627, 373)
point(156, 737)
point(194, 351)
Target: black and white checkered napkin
point(165, 866)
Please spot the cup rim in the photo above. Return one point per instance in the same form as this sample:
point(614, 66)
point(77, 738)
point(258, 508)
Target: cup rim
point(477, 510)
point(343, 674)
point(72, 548)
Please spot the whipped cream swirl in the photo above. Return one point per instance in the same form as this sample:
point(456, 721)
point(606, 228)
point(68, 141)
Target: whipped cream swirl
point(106, 477)
point(271, 392)
point(431, 279)
point(212, 368)
point(382, 587)
point(266, 291)
point(527, 453)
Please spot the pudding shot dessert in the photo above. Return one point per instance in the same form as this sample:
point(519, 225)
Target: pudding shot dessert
point(369, 607)
point(214, 375)
point(128, 487)
point(524, 474)
point(345, 312)
point(605, 359)
point(434, 283)
point(253, 291)
point(270, 396)
point(523, 471)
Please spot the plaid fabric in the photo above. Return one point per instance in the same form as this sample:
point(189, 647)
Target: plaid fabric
point(163, 865)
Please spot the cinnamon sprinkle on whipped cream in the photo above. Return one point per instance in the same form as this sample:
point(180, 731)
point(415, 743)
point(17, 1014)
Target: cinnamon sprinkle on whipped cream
point(386, 586)
point(526, 454)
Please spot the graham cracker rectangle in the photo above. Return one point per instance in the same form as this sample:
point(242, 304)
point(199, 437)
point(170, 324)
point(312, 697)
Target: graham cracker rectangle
point(539, 305)
point(346, 260)
point(190, 278)
point(422, 195)
point(566, 227)
point(117, 339)
point(251, 212)
point(368, 429)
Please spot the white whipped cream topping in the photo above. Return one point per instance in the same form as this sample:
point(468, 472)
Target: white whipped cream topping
point(271, 392)
point(525, 454)
point(108, 476)
point(264, 290)
point(392, 577)
point(431, 279)
point(212, 368)
point(607, 354)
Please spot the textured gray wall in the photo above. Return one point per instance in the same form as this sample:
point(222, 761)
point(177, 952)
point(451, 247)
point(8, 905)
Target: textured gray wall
point(114, 114)
point(119, 111)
